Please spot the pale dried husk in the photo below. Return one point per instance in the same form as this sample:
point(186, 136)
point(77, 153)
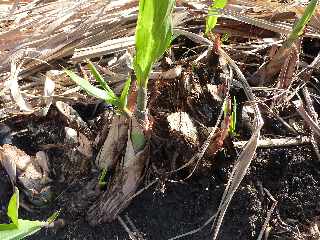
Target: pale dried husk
point(32, 172)
point(127, 177)
point(113, 147)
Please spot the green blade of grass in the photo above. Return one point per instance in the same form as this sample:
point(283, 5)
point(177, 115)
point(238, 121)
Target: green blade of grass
point(92, 90)
point(234, 116)
point(26, 228)
point(212, 20)
point(20, 228)
point(13, 207)
point(102, 182)
point(153, 35)
point(300, 25)
point(100, 79)
point(124, 94)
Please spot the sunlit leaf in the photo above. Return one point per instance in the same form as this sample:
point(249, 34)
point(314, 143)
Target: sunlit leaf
point(153, 35)
point(100, 79)
point(25, 229)
point(90, 89)
point(13, 207)
point(20, 228)
point(300, 25)
point(212, 20)
point(124, 93)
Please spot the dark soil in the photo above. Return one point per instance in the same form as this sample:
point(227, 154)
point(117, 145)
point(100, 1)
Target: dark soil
point(292, 178)
point(172, 207)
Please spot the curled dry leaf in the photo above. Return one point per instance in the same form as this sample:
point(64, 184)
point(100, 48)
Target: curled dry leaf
point(43, 161)
point(78, 152)
point(306, 117)
point(73, 118)
point(215, 91)
point(71, 136)
point(71, 114)
point(15, 89)
point(5, 134)
point(314, 230)
point(48, 92)
point(289, 68)
point(127, 177)
point(244, 160)
point(172, 73)
point(218, 139)
point(85, 146)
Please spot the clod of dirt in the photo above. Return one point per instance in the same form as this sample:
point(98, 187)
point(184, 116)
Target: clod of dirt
point(314, 231)
point(78, 154)
point(5, 136)
point(214, 91)
point(5, 193)
point(181, 125)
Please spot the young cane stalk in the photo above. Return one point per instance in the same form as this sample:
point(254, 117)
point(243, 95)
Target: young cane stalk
point(153, 37)
point(127, 134)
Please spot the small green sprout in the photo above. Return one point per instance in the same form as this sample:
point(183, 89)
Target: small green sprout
point(211, 21)
point(20, 228)
point(233, 117)
point(232, 127)
point(106, 93)
point(102, 178)
point(225, 37)
point(300, 25)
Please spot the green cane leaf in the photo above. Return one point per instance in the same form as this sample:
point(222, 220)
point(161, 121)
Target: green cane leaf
point(234, 116)
point(100, 79)
point(26, 228)
point(13, 207)
point(4, 227)
point(153, 35)
point(92, 90)
point(20, 228)
point(300, 25)
point(125, 93)
point(212, 20)
point(138, 140)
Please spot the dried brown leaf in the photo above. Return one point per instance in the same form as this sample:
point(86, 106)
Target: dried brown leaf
point(245, 158)
point(309, 120)
point(85, 145)
point(288, 69)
